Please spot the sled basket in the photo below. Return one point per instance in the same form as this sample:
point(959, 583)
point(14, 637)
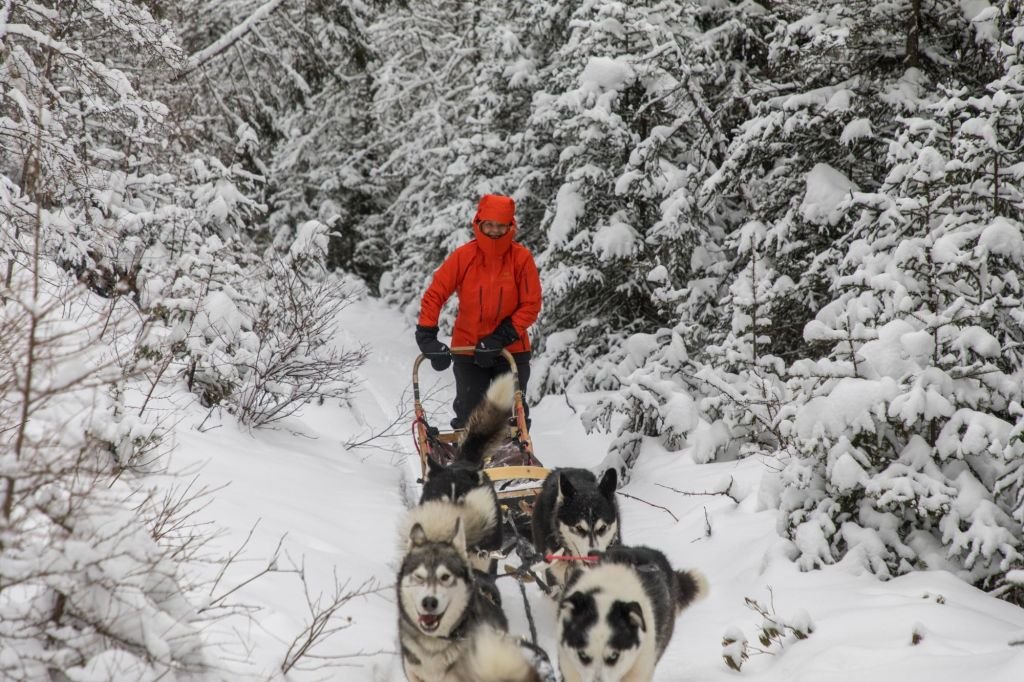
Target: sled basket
point(515, 470)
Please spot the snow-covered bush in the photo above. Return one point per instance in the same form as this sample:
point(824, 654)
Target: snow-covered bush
point(87, 587)
point(774, 633)
point(256, 336)
point(291, 353)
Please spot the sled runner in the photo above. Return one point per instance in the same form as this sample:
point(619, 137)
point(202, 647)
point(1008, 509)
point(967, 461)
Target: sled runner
point(516, 472)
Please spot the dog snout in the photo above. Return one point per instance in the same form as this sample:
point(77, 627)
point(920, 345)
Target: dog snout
point(429, 604)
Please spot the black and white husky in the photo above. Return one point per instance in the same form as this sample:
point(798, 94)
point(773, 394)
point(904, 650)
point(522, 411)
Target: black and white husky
point(463, 482)
point(615, 620)
point(451, 625)
point(575, 514)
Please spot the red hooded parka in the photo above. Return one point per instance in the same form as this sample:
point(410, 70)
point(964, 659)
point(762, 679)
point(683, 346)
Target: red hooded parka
point(494, 279)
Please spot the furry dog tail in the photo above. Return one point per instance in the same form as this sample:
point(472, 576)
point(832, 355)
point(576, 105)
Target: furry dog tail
point(496, 657)
point(692, 585)
point(477, 512)
point(487, 423)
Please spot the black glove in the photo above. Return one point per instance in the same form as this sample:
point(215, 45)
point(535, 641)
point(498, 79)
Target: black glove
point(440, 355)
point(490, 347)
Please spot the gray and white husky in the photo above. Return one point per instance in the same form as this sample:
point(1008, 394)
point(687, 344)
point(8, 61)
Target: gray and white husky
point(575, 514)
point(463, 482)
point(616, 619)
point(451, 625)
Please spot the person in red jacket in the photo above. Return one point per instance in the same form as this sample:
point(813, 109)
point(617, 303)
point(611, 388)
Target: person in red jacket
point(499, 298)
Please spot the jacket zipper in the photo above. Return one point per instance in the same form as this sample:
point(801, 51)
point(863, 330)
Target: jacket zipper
point(497, 313)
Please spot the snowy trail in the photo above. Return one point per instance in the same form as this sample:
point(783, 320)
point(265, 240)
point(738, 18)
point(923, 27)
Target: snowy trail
point(337, 510)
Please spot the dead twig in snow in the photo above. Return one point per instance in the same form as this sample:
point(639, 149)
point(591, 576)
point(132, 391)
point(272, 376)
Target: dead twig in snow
point(651, 504)
point(323, 624)
point(725, 493)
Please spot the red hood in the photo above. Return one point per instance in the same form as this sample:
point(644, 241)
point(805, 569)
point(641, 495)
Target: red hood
point(494, 248)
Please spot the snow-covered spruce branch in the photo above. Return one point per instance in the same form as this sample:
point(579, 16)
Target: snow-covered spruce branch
point(744, 403)
point(91, 571)
point(230, 38)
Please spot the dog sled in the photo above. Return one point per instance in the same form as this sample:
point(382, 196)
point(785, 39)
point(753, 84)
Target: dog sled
point(513, 467)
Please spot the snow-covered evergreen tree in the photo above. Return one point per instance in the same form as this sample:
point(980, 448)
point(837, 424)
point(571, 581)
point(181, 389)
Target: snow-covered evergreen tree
point(719, 78)
point(445, 110)
point(610, 132)
point(906, 432)
point(78, 134)
point(98, 184)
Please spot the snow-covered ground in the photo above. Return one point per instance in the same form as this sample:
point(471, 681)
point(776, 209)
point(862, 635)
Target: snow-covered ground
point(337, 510)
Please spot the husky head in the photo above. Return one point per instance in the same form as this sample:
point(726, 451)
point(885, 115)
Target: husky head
point(435, 581)
point(588, 517)
point(453, 482)
point(604, 631)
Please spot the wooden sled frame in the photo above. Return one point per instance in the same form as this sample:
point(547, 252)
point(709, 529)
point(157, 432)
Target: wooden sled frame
point(533, 473)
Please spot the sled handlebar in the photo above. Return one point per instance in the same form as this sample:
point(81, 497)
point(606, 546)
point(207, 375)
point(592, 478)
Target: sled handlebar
point(466, 350)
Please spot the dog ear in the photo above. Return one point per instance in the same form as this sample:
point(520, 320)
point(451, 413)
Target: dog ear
point(608, 483)
point(417, 535)
point(574, 603)
point(636, 615)
point(433, 466)
point(565, 486)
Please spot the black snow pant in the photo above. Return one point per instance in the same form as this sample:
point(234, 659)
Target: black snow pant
point(471, 383)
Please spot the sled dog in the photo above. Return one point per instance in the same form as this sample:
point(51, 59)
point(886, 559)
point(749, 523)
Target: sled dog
point(616, 619)
point(575, 514)
point(442, 602)
point(463, 482)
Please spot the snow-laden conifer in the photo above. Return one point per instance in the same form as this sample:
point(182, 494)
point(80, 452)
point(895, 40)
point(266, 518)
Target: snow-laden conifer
point(909, 451)
point(470, 134)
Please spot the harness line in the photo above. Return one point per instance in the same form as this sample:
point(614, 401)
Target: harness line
point(569, 557)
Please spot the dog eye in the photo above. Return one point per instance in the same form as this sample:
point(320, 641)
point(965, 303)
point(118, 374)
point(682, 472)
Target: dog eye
point(584, 658)
point(580, 529)
point(600, 530)
point(612, 658)
point(446, 579)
